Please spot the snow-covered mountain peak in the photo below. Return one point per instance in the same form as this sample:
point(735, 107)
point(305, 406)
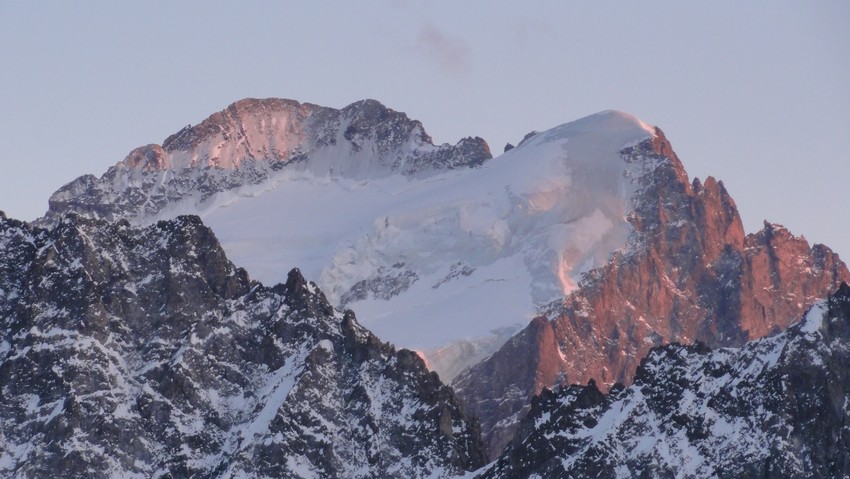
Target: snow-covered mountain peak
point(574, 178)
point(275, 129)
point(610, 127)
point(266, 129)
point(687, 273)
point(430, 244)
point(244, 147)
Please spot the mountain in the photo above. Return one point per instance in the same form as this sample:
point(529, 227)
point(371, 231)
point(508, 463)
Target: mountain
point(144, 352)
point(565, 259)
point(687, 274)
point(439, 248)
point(777, 407)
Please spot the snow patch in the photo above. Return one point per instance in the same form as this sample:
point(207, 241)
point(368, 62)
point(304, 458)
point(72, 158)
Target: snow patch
point(813, 321)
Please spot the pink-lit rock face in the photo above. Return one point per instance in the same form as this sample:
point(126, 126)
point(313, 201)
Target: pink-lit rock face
point(250, 140)
point(277, 129)
point(263, 129)
point(147, 158)
point(688, 274)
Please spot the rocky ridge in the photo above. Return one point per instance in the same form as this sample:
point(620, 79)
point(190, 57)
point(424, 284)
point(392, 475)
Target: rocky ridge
point(251, 140)
point(687, 274)
point(143, 352)
point(777, 407)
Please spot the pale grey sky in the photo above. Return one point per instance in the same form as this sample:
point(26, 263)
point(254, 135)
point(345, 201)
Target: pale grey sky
point(756, 94)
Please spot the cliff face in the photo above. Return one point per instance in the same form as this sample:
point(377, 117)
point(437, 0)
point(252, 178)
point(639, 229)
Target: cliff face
point(777, 407)
point(687, 274)
point(143, 352)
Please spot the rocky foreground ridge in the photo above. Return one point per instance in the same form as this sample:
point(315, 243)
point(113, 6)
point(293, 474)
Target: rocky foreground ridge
point(143, 352)
point(688, 274)
point(777, 407)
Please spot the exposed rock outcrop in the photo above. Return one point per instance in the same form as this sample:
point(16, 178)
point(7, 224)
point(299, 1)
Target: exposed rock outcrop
point(777, 407)
point(247, 142)
point(688, 274)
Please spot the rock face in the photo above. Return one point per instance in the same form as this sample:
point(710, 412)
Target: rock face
point(143, 352)
point(249, 141)
point(687, 274)
point(777, 407)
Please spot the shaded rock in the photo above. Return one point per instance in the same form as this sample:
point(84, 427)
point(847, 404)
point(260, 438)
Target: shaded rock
point(144, 351)
point(776, 407)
